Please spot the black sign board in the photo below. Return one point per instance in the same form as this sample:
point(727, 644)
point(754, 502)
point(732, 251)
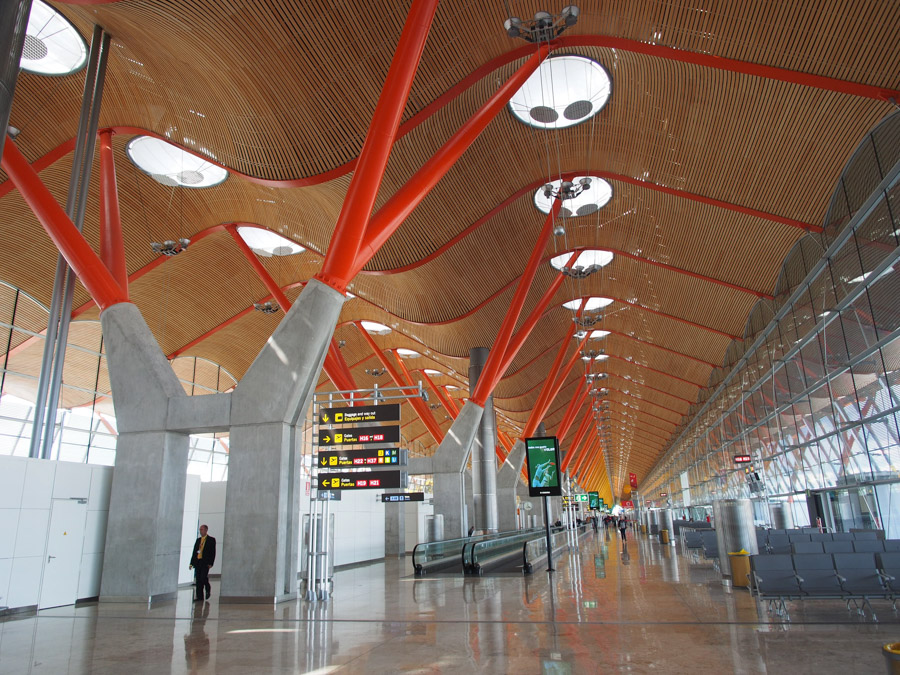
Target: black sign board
point(404, 497)
point(369, 480)
point(353, 459)
point(543, 466)
point(742, 459)
point(389, 412)
point(329, 495)
point(360, 435)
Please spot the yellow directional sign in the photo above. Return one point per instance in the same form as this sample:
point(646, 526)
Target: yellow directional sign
point(360, 436)
point(389, 412)
point(358, 480)
point(347, 459)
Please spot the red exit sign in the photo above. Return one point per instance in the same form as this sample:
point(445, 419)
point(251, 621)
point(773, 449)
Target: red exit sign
point(742, 459)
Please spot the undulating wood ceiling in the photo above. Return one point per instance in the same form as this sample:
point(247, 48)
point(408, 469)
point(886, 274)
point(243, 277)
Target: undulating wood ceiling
point(717, 169)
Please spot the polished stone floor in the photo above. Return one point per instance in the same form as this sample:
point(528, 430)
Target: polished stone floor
point(641, 608)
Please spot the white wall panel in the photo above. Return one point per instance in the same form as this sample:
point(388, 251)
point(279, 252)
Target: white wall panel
point(72, 481)
point(9, 524)
point(12, 481)
point(89, 578)
point(31, 539)
point(95, 532)
point(101, 483)
point(5, 571)
point(25, 580)
point(38, 484)
point(189, 524)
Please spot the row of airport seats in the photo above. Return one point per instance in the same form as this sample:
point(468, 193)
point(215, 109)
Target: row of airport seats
point(869, 541)
point(777, 577)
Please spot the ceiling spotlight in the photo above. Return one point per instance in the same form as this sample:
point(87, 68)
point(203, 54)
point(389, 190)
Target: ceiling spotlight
point(13, 132)
point(434, 406)
point(559, 229)
point(592, 354)
point(341, 344)
point(587, 320)
point(170, 247)
point(376, 372)
point(267, 307)
point(543, 27)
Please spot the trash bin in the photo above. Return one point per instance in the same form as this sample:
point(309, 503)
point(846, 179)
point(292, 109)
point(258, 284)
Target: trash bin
point(643, 529)
point(740, 568)
point(892, 657)
point(663, 536)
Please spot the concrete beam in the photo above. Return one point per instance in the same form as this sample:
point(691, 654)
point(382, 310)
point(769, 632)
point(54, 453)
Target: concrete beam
point(199, 414)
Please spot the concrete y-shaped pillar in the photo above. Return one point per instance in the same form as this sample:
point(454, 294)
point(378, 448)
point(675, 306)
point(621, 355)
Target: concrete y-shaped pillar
point(507, 479)
point(261, 498)
point(449, 464)
point(143, 534)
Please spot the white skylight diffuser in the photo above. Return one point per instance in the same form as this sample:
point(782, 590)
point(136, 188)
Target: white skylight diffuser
point(587, 202)
point(408, 353)
point(432, 371)
point(592, 303)
point(374, 327)
point(585, 259)
point(597, 335)
point(267, 243)
point(172, 166)
point(52, 45)
point(563, 91)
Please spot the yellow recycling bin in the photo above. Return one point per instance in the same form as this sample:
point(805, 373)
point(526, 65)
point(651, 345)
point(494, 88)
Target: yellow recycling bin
point(740, 568)
point(891, 654)
point(663, 536)
point(643, 529)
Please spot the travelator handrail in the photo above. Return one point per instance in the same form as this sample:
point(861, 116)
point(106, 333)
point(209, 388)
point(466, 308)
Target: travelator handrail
point(436, 556)
point(535, 549)
point(481, 556)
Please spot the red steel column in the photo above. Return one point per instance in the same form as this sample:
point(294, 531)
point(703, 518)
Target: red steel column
point(351, 224)
point(81, 257)
point(491, 374)
point(112, 245)
point(574, 406)
point(260, 269)
point(401, 204)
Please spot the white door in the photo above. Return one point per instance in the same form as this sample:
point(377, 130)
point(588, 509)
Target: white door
point(62, 561)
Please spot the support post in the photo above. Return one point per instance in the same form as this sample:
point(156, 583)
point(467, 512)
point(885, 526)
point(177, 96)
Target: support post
point(484, 465)
point(13, 25)
point(112, 245)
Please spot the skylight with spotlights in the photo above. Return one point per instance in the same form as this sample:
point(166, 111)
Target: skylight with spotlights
point(170, 165)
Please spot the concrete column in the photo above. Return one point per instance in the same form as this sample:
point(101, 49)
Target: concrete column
point(449, 463)
point(395, 528)
point(262, 506)
point(143, 532)
point(261, 499)
point(484, 449)
point(507, 480)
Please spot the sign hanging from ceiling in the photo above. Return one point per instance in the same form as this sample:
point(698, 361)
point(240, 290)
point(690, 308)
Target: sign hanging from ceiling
point(632, 479)
point(594, 500)
point(369, 480)
point(366, 413)
point(742, 459)
point(352, 459)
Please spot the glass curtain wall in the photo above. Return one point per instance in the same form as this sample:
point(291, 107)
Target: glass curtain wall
point(85, 429)
point(813, 391)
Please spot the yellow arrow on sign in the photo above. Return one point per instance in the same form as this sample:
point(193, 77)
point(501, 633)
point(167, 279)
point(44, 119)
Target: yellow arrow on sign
point(327, 439)
point(325, 483)
point(324, 461)
point(325, 417)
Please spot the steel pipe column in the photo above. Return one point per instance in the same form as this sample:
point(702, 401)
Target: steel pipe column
point(735, 530)
point(13, 23)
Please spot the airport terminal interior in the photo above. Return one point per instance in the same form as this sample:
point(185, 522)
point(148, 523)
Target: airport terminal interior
point(449, 337)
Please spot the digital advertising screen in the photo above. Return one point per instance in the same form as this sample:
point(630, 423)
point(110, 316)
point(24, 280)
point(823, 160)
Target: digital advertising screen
point(542, 455)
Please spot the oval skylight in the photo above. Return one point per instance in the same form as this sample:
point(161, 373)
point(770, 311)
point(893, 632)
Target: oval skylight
point(597, 194)
point(598, 334)
point(432, 371)
point(375, 327)
point(267, 243)
point(592, 303)
point(408, 353)
point(53, 46)
point(585, 259)
point(563, 91)
point(172, 166)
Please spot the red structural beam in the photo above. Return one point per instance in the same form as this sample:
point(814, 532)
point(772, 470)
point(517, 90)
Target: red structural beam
point(71, 244)
point(263, 274)
point(337, 270)
point(539, 407)
point(445, 400)
point(417, 403)
point(586, 421)
point(589, 441)
point(491, 374)
point(112, 244)
point(402, 203)
point(553, 383)
point(574, 406)
point(518, 340)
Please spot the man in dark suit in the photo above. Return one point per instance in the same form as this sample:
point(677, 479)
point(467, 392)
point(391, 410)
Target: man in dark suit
point(202, 561)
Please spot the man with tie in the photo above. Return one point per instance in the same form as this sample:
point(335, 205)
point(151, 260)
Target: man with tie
point(202, 560)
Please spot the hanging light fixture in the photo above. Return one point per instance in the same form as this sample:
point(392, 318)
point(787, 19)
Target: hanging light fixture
point(267, 307)
point(170, 247)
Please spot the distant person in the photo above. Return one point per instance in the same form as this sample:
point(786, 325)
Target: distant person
point(202, 560)
point(623, 524)
point(471, 530)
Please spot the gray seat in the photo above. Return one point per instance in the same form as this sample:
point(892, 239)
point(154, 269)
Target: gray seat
point(817, 575)
point(868, 546)
point(838, 546)
point(807, 547)
point(772, 578)
point(794, 538)
point(843, 536)
point(820, 536)
point(860, 574)
point(891, 545)
point(779, 543)
point(889, 564)
point(693, 539)
point(866, 534)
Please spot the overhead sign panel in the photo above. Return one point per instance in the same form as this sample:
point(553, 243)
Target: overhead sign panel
point(404, 497)
point(367, 413)
point(353, 459)
point(359, 436)
point(369, 480)
point(742, 459)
